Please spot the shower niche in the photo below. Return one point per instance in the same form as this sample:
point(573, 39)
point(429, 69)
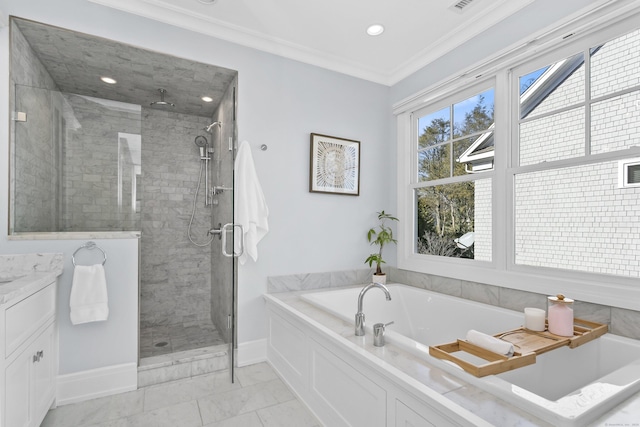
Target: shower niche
point(118, 159)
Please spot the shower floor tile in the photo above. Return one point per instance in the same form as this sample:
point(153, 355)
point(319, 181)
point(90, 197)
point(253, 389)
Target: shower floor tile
point(165, 339)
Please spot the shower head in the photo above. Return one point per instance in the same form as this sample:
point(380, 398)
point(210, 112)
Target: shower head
point(162, 102)
point(209, 127)
point(201, 141)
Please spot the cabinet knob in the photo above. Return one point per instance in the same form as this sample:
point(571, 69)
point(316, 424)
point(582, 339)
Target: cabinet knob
point(39, 355)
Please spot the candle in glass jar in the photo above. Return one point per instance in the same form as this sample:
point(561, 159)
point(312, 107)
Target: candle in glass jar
point(534, 319)
point(560, 316)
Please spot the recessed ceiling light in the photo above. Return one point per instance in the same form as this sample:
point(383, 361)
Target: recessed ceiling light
point(108, 80)
point(375, 29)
point(207, 1)
point(207, 99)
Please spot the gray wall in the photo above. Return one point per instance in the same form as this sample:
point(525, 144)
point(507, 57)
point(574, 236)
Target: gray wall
point(175, 274)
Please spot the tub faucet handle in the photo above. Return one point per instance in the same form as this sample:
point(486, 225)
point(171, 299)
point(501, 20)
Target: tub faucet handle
point(378, 333)
point(360, 314)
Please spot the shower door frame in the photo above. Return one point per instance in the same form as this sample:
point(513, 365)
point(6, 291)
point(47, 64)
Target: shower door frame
point(224, 269)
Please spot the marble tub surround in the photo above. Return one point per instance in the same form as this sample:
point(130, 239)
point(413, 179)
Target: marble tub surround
point(470, 398)
point(335, 279)
point(621, 321)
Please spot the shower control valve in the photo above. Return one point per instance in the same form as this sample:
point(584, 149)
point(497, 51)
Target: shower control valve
point(216, 231)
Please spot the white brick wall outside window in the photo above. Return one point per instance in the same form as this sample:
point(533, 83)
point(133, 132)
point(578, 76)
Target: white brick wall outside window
point(575, 218)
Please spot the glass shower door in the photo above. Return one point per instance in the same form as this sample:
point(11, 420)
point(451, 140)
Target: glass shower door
point(224, 263)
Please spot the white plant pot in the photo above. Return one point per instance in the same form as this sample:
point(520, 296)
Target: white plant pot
point(382, 279)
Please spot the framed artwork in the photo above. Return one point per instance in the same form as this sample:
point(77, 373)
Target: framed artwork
point(335, 165)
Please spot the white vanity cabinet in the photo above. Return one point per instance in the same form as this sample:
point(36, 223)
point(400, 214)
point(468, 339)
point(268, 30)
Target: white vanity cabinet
point(29, 357)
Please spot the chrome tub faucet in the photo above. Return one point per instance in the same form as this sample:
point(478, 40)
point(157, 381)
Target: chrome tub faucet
point(360, 314)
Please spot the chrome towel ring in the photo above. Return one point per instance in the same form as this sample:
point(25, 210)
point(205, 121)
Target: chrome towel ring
point(90, 246)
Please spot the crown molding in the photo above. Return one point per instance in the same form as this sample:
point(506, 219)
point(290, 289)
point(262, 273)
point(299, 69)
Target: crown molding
point(492, 13)
point(591, 18)
point(187, 19)
point(163, 11)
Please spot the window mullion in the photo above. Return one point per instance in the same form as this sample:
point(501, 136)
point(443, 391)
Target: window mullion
point(451, 138)
point(502, 201)
point(587, 101)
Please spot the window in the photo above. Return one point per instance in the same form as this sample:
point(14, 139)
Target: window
point(629, 173)
point(569, 212)
point(545, 197)
point(452, 205)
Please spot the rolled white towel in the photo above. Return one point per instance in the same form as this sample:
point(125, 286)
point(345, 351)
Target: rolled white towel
point(490, 343)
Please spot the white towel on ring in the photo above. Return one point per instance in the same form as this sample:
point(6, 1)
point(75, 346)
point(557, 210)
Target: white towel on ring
point(88, 301)
point(490, 343)
point(251, 209)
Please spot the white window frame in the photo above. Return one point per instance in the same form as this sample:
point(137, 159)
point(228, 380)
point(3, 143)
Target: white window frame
point(437, 105)
point(601, 26)
point(623, 172)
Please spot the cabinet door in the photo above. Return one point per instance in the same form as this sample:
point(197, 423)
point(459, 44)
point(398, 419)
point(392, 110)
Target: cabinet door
point(17, 381)
point(43, 374)
point(406, 417)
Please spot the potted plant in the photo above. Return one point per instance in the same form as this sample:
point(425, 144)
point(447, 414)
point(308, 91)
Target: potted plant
point(380, 235)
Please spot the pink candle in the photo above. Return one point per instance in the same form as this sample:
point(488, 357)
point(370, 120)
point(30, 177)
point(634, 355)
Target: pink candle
point(560, 316)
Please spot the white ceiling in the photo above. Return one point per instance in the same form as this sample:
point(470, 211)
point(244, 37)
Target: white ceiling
point(331, 33)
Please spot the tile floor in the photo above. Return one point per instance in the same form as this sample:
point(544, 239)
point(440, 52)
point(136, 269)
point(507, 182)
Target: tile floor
point(258, 398)
point(164, 339)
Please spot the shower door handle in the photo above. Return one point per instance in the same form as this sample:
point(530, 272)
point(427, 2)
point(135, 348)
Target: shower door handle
point(225, 228)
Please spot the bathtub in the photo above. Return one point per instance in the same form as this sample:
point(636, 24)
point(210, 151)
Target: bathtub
point(567, 387)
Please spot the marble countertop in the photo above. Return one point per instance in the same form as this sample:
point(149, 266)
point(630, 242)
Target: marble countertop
point(25, 274)
point(481, 403)
point(25, 285)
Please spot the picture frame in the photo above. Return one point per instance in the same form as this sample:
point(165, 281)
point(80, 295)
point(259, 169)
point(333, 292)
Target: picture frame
point(334, 165)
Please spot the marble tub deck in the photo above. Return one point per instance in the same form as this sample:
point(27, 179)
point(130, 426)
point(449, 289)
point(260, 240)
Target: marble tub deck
point(485, 405)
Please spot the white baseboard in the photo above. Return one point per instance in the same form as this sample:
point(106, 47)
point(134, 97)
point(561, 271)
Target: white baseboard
point(251, 352)
point(85, 385)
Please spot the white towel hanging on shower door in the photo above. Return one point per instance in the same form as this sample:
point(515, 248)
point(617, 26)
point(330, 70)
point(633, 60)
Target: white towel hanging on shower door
point(251, 209)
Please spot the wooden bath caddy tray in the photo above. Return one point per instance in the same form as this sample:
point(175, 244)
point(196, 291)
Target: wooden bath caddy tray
point(528, 344)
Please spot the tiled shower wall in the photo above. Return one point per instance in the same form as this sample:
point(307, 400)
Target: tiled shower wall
point(175, 274)
point(621, 321)
point(92, 165)
point(66, 154)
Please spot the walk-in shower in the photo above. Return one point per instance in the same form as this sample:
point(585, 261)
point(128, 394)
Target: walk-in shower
point(81, 127)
